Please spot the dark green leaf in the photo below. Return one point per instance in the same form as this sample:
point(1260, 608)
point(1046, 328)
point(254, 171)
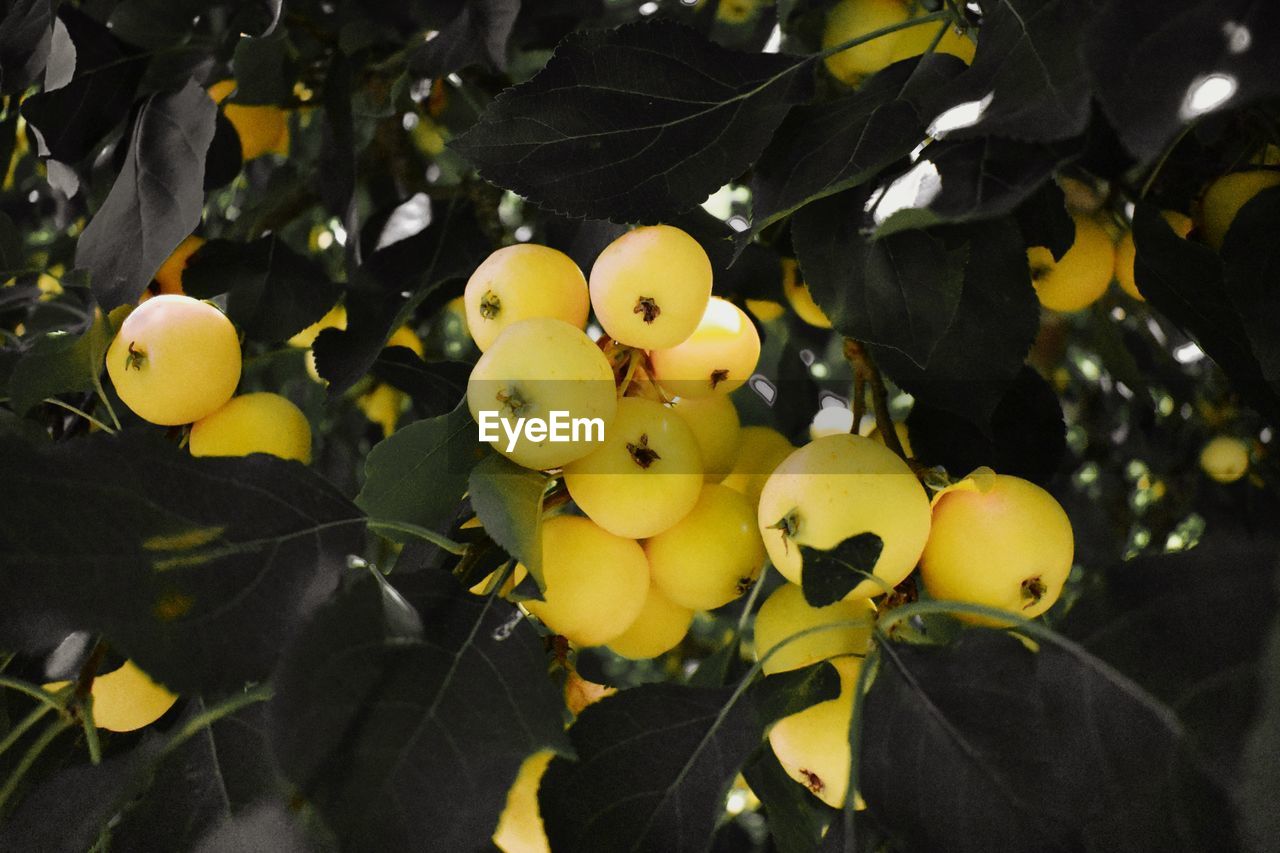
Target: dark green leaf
point(1260, 773)
point(793, 691)
point(59, 362)
point(152, 24)
point(1148, 60)
point(419, 473)
point(1044, 220)
point(822, 149)
point(12, 255)
point(452, 246)
point(828, 576)
point(977, 360)
point(273, 292)
point(901, 291)
point(26, 28)
point(477, 35)
point(1251, 276)
point(274, 826)
point(435, 386)
point(984, 745)
point(263, 70)
point(1027, 438)
point(74, 119)
point(634, 124)
point(1185, 281)
point(508, 501)
point(198, 569)
point(399, 736)
point(1028, 72)
point(654, 763)
point(157, 199)
point(795, 817)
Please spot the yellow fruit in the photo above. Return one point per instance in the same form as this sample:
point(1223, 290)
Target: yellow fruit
point(175, 360)
point(712, 555)
point(169, 276)
point(536, 368)
point(916, 40)
point(658, 629)
point(785, 614)
point(1225, 459)
point(837, 487)
point(520, 827)
point(903, 439)
point(813, 745)
point(262, 129)
point(125, 699)
point(765, 310)
point(513, 580)
point(383, 405)
point(998, 541)
point(406, 337)
point(715, 425)
point(799, 297)
point(760, 451)
point(1224, 198)
point(650, 287)
point(254, 423)
point(1126, 252)
point(850, 19)
point(644, 477)
point(717, 358)
point(596, 583)
point(335, 318)
point(1076, 281)
point(521, 282)
point(580, 693)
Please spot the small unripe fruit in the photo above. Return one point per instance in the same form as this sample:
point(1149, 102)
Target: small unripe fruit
point(254, 423)
point(717, 358)
point(596, 582)
point(786, 614)
point(650, 287)
point(1077, 280)
point(1225, 459)
point(521, 282)
point(840, 486)
point(998, 541)
point(712, 555)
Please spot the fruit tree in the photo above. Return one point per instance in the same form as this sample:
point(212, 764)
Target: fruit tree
point(639, 425)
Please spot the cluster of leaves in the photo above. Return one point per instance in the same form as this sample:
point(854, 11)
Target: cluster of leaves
point(391, 709)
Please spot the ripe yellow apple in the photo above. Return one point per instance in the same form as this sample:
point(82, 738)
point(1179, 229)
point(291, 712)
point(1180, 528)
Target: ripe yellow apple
point(334, 318)
point(1126, 252)
point(1224, 198)
point(658, 629)
point(813, 745)
point(650, 287)
point(998, 541)
point(596, 582)
point(760, 450)
point(533, 369)
point(254, 423)
point(715, 425)
point(521, 282)
point(262, 129)
point(169, 276)
point(125, 699)
point(1081, 276)
point(717, 358)
point(1225, 458)
point(520, 827)
point(644, 477)
point(712, 555)
point(785, 614)
point(383, 404)
point(903, 439)
point(175, 360)
point(839, 486)
point(850, 19)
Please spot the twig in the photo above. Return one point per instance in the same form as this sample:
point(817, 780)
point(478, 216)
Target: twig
point(862, 362)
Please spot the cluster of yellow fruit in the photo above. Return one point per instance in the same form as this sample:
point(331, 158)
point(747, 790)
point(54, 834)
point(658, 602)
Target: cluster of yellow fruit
point(664, 474)
point(1081, 277)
